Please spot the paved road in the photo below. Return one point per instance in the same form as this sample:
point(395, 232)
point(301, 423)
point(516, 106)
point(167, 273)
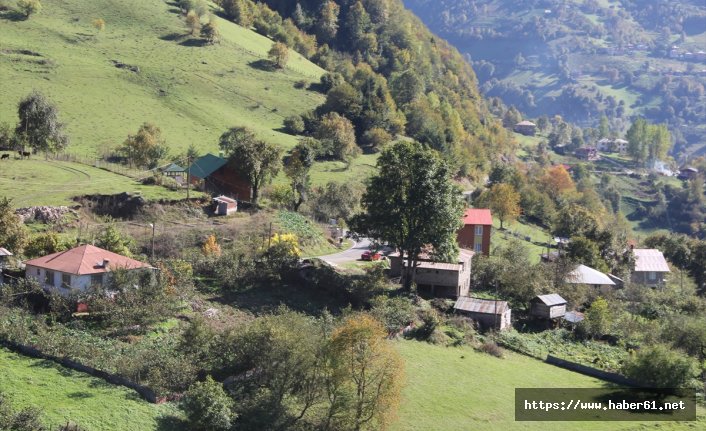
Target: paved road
point(350, 255)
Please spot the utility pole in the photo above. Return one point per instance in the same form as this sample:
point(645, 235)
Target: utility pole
point(269, 238)
point(153, 226)
point(496, 307)
point(188, 175)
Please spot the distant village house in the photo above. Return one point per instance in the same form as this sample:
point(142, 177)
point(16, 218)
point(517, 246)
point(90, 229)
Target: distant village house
point(437, 279)
point(215, 175)
point(526, 128)
point(80, 268)
point(176, 172)
point(587, 153)
point(488, 313)
point(475, 233)
point(551, 306)
point(688, 173)
point(650, 267)
point(583, 274)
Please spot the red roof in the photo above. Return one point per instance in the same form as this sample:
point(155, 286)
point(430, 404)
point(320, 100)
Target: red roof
point(85, 260)
point(477, 216)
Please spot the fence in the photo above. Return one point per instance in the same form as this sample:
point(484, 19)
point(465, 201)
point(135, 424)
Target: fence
point(116, 168)
point(145, 392)
point(593, 372)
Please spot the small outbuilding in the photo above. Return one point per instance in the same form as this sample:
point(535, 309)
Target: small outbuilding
point(176, 172)
point(587, 153)
point(583, 274)
point(5, 256)
point(687, 173)
point(488, 313)
point(550, 306)
point(651, 267)
point(526, 128)
point(225, 206)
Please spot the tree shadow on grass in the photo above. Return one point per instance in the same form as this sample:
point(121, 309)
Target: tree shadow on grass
point(171, 423)
point(80, 395)
point(171, 37)
point(264, 65)
point(12, 15)
point(194, 42)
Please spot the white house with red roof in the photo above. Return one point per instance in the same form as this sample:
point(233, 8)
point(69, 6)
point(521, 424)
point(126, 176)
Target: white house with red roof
point(475, 233)
point(79, 268)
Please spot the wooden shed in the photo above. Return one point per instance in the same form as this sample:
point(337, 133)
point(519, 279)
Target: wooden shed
point(488, 313)
point(550, 306)
point(225, 206)
point(4, 257)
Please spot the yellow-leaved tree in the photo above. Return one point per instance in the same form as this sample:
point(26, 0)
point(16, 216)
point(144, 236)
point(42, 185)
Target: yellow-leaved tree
point(211, 248)
point(366, 376)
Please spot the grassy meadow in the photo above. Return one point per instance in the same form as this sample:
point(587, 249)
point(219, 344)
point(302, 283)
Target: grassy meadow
point(451, 389)
point(64, 395)
point(41, 182)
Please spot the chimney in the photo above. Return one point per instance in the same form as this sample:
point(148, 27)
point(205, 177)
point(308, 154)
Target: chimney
point(106, 262)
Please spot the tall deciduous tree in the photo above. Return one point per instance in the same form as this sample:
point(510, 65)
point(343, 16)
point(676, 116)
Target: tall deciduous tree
point(39, 125)
point(337, 137)
point(193, 23)
point(505, 202)
point(327, 22)
point(13, 234)
point(297, 167)
point(146, 147)
point(411, 203)
point(279, 54)
point(257, 160)
point(366, 376)
point(557, 181)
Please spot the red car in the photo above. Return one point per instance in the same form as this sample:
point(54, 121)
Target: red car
point(370, 255)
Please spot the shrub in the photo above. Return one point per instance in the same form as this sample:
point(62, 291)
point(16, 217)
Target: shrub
point(376, 138)
point(29, 7)
point(659, 366)
point(208, 407)
point(430, 320)
point(491, 348)
point(300, 84)
point(294, 125)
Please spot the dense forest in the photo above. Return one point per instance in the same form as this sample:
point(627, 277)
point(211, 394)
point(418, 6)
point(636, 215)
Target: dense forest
point(585, 59)
point(387, 77)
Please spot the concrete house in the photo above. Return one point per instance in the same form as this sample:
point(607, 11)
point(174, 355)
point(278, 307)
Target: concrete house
point(550, 306)
point(526, 128)
point(175, 172)
point(215, 175)
point(487, 313)
point(437, 279)
point(587, 153)
point(650, 267)
point(475, 233)
point(79, 268)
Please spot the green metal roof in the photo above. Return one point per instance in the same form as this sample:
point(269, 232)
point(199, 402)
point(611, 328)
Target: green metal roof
point(174, 168)
point(206, 165)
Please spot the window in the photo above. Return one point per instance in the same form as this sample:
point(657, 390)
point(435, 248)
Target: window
point(478, 248)
point(479, 230)
point(652, 276)
point(66, 281)
point(49, 277)
point(97, 280)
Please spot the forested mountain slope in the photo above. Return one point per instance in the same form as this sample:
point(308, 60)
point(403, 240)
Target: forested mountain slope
point(586, 58)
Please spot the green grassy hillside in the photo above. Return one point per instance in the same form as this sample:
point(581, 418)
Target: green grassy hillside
point(461, 389)
point(192, 92)
point(64, 395)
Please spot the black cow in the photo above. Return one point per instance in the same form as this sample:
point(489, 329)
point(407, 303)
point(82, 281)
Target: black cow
point(24, 154)
point(4, 156)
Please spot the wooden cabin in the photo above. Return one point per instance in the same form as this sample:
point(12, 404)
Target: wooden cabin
point(487, 313)
point(550, 306)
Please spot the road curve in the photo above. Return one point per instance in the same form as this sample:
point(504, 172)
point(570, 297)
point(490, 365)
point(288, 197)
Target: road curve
point(350, 255)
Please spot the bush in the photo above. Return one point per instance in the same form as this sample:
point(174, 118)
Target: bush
point(300, 84)
point(659, 366)
point(430, 320)
point(208, 407)
point(29, 7)
point(491, 348)
point(294, 125)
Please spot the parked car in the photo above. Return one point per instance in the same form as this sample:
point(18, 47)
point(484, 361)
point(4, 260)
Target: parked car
point(370, 255)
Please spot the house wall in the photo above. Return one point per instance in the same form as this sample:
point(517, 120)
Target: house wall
point(79, 282)
point(228, 182)
point(466, 237)
point(488, 320)
point(540, 309)
point(643, 277)
point(437, 282)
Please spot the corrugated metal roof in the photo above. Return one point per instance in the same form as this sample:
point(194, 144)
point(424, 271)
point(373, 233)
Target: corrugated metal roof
point(206, 165)
point(650, 260)
point(5, 252)
point(225, 199)
point(464, 256)
point(84, 260)
point(173, 167)
point(477, 305)
point(573, 316)
point(551, 299)
point(587, 275)
point(475, 216)
point(525, 123)
point(439, 266)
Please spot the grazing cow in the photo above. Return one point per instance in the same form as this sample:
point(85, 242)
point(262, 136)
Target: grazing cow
point(24, 154)
point(4, 156)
